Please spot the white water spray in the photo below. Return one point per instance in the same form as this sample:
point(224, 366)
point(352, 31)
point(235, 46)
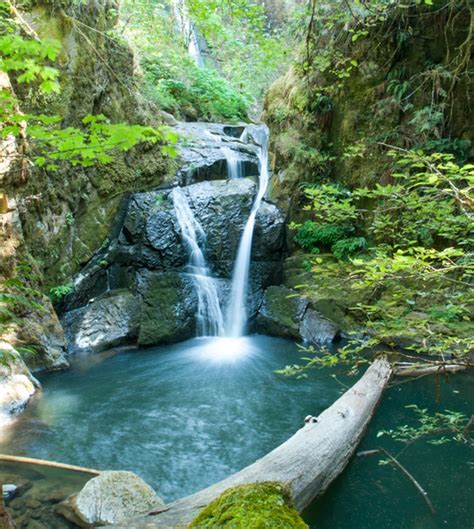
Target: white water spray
point(237, 312)
point(210, 321)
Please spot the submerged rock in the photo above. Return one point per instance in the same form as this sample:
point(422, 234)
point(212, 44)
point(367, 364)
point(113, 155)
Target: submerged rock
point(108, 498)
point(9, 490)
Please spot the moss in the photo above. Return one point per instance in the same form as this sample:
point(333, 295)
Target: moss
point(69, 212)
point(169, 306)
point(365, 110)
point(257, 506)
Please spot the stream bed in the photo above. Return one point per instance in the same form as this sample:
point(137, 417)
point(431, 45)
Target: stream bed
point(186, 415)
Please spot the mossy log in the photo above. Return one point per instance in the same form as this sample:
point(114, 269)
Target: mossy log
point(307, 462)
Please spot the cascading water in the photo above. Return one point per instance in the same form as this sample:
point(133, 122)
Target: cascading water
point(187, 29)
point(234, 163)
point(237, 313)
point(210, 321)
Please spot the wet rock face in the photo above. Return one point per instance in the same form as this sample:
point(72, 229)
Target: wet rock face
point(109, 498)
point(202, 156)
point(149, 259)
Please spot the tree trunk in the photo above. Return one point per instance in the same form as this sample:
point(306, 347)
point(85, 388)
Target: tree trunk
point(307, 462)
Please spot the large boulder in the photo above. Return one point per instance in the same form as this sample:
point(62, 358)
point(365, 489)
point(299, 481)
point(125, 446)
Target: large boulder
point(317, 329)
point(17, 385)
point(42, 331)
point(110, 497)
point(111, 320)
point(169, 307)
point(149, 258)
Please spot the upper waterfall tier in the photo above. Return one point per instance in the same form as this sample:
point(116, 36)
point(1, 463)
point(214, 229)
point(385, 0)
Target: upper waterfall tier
point(206, 148)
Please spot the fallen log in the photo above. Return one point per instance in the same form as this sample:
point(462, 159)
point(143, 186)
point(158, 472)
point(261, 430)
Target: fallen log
point(422, 370)
point(46, 463)
point(307, 462)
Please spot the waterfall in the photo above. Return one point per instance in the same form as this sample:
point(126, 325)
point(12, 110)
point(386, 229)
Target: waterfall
point(237, 313)
point(209, 317)
point(187, 29)
point(234, 163)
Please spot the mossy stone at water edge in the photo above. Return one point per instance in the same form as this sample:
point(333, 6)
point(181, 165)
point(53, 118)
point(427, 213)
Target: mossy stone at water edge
point(257, 506)
point(281, 312)
point(168, 308)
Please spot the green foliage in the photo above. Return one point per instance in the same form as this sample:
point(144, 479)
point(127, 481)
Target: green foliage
point(336, 215)
point(257, 505)
point(345, 248)
point(18, 298)
point(311, 235)
point(242, 54)
point(30, 61)
point(439, 428)
point(457, 147)
point(417, 269)
point(58, 293)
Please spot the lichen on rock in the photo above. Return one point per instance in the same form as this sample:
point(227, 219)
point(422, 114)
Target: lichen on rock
point(108, 498)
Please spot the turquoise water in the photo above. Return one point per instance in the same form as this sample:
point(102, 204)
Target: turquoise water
point(186, 415)
point(181, 416)
point(370, 496)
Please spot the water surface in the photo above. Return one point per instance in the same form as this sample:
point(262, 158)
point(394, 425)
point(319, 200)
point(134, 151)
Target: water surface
point(186, 415)
point(370, 496)
point(181, 416)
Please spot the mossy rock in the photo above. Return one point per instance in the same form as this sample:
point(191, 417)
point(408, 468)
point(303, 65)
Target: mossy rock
point(168, 307)
point(258, 506)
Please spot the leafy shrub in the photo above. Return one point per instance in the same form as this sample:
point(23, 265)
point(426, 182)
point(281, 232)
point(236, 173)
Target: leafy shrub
point(457, 147)
point(204, 93)
point(344, 248)
point(216, 97)
point(311, 234)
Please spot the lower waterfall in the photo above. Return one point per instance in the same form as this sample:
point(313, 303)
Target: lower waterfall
point(210, 321)
point(237, 312)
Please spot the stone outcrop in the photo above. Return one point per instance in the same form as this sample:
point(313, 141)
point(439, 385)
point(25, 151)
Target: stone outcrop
point(105, 322)
point(108, 498)
point(201, 154)
point(286, 313)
